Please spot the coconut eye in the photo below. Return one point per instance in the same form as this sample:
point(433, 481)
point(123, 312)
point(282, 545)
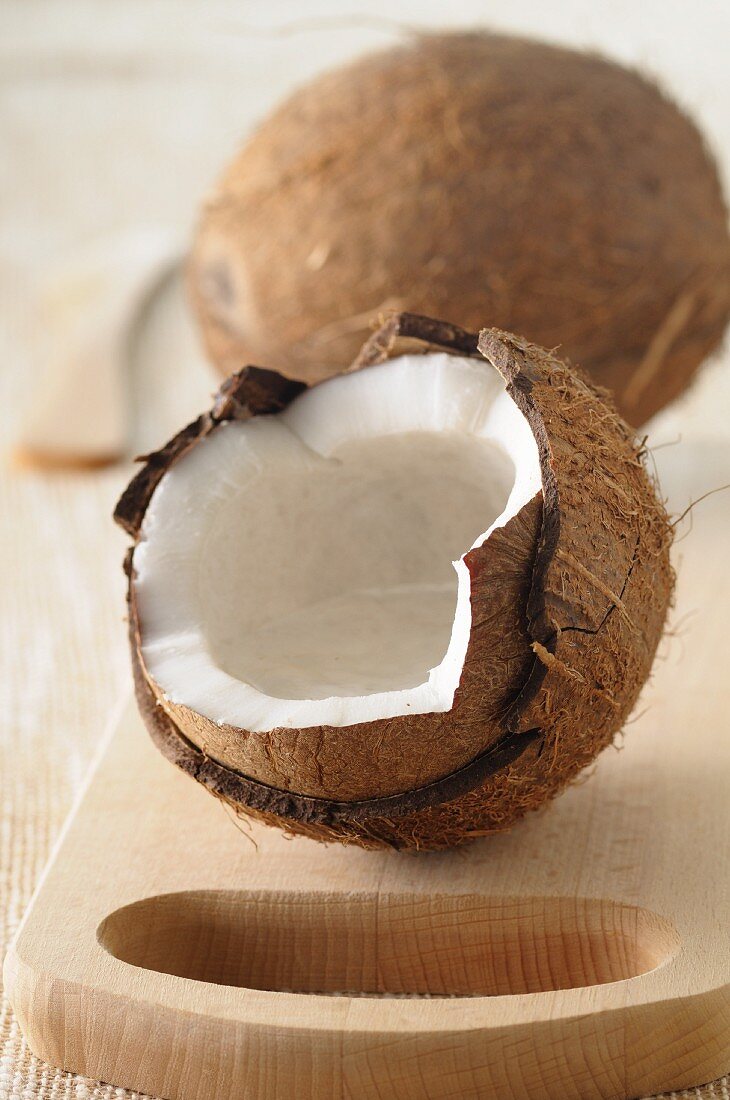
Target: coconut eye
point(372, 608)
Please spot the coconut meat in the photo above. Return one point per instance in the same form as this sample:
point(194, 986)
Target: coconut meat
point(307, 568)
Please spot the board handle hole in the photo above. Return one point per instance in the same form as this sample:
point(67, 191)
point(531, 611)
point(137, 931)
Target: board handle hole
point(397, 944)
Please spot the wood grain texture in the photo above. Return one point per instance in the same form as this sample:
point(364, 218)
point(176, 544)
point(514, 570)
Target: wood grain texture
point(584, 955)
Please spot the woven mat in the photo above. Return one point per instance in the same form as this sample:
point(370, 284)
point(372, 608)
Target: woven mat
point(111, 122)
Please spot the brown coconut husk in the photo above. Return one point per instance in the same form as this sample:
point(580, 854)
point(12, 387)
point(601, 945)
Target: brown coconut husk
point(580, 593)
point(472, 175)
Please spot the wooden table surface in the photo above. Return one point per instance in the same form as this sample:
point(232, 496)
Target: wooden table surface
point(115, 120)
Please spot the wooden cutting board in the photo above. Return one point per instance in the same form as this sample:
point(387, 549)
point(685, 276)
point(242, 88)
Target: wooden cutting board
point(176, 951)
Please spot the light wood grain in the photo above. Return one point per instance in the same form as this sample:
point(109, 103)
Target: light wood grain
point(584, 955)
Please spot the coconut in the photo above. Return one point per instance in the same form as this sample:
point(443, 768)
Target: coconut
point(405, 605)
point(472, 175)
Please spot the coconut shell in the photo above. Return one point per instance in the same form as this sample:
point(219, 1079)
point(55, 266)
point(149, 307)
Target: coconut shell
point(472, 175)
point(568, 605)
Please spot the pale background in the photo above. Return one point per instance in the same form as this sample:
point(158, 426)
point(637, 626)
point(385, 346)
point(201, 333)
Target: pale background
point(119, 114)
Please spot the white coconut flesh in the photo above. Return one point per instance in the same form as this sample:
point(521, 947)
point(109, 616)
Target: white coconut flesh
point(306, 568)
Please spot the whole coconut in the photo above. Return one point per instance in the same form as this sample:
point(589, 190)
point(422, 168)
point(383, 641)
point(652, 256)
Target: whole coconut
point(472, 175)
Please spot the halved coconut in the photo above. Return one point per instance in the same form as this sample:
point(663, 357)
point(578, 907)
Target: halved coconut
point(405, 605)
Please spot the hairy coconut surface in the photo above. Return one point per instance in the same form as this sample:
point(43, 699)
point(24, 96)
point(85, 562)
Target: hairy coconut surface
point(567, 599)
point(472, 175)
